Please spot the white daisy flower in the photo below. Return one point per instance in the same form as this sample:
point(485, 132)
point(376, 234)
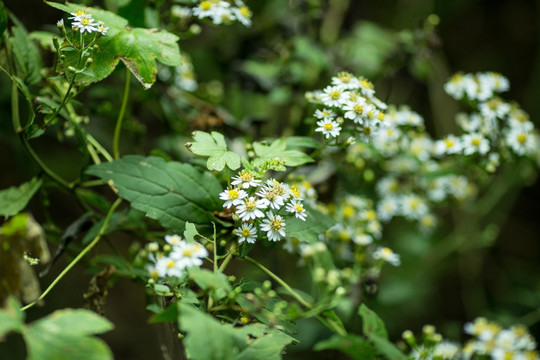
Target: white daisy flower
point(274, 226)
point(189, 254)
point(173, 240)
point(324, 114)
point(328, 128)
point(167, 266)
point(78, 14)
point(245, 178)
point(475, 143)
point(449, 145)
point(232, 197)
point(280, 189)
point(84, 23)
point(387, 208)
point(296, 207)
point(346, 80)
point(522, 142)
point(101, 28)
point(250, 208)
point(494, 108)
point(413, 206)
point(243, 14)
point(275, 201)
point(334, 96)
point(356, 110)
point(386, 254)
point(246, 233)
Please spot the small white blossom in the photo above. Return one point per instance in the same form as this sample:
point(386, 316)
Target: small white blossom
point(245, 178)
point(274, 226)
point(297, 209)
point(232, 197)
point(246, 233)
point(250, 208)
point(386, 254)
point(328, 128)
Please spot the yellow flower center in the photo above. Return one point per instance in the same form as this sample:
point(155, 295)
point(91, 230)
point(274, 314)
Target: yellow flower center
point(295, 191)
point(246, 177)
point(206, 5)
point(85, 21)
point(188, 252)
point(358, 109)
point(475, 142)
point(522, 138)
point(381, 116)
point(334, 95)
point(276, 224)
point(246, 232)
point(348, 211)
point(170, 264)
point(366, 84)
point(449, 142)
point(244, 10)
point(298, 208)
point(251, 205)
point(371, 215)
point(233, 194)
point(328, 126)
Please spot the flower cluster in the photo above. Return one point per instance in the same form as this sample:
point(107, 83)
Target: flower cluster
point(223, 12)
point(490, 341)
point(261, 206)
point(348, 105)
point(84, 22)
point(357, 228)
point(175, 257)
point(494, 127)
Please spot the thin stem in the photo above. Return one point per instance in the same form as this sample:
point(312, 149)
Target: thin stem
point(280, 281)
point(228, 258)
point(118, 127)
point(99, 147)
point(80, 256)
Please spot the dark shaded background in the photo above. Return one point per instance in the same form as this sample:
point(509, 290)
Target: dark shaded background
point(494, 35)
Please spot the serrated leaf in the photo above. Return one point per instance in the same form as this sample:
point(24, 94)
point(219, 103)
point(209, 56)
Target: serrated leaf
point(14, 199)
point(308, 231)
point(27, 56)
point(64, 336)
point(170, 192)
point(268, 345)
point(214, 146)
point(278, 150)
point(372, 323)
point(208, 280)
point(206, 337)
point(355, 346)
point(137, 48)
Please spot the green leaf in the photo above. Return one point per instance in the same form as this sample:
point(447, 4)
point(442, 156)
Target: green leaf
point(14, 199)
point(27, 56)
point(11, 317)
point(372, 323)
point(170, 192)
point(137, 48)
point(190, 232)
point(64, 336)
point(214, 146)
point(207, 338)
point(278, 150)
point(3, 21)
point(268, 346)
point(308, 231)
point(355, 346)
point(386, 348)
point(208, 280)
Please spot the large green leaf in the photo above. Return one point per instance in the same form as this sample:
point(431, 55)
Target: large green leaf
point(64, 335)
point(15, 199)
point(308, 231)
point(214, 146)
point(27, 57)
point(355, 346)
point(169, 192)
point(208, 280)
point(268, 346)
point(207, 338)
point(137, 48)
point(372, 323)
point(278, 150)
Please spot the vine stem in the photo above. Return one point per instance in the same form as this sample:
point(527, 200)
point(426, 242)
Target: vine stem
point(118, 127)
point(80, 256)
point(280, 281)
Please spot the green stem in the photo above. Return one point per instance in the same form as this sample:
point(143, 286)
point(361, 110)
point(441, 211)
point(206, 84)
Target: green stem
point(228, 258)
point(118, 127)
point(99, 147)
point(280, 281)
point(80, 256)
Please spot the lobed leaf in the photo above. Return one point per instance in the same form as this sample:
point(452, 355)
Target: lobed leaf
point(214, 146)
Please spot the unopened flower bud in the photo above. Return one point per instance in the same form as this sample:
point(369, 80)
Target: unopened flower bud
point(71, 69)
